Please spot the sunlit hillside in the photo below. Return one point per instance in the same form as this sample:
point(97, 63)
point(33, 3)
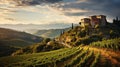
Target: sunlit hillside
point(81, 35)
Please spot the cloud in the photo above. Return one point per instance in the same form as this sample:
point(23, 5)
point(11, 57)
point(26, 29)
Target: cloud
point(107, 7)
point(48, 11)
point(30, 2)
point(11, 19)
point(110, 7)
point(4, 13)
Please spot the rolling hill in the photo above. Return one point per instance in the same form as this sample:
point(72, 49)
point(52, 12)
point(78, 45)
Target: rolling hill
point(98, 47)
point(80, 35)
point(30, 28)
point(46, 45)
point(77, 36)
point(15, 40)
point(50, 33)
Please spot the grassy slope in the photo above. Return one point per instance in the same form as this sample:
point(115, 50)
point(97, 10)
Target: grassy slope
point(43, 46)
point(8, 34)
point(10, 40)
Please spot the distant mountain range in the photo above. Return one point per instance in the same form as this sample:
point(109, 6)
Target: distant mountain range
point(27, 27)
point(10, 40)
point(44, 30)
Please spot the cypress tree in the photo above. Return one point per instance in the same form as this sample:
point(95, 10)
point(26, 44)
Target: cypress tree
point(72, 25)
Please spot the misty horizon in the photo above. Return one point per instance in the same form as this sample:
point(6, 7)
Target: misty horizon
point(33, 27)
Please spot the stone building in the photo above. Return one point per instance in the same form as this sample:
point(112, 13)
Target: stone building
point(85, 21)
point(98, 20)
point(94, 20)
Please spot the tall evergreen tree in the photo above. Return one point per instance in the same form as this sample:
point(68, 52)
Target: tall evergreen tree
point(72, 26)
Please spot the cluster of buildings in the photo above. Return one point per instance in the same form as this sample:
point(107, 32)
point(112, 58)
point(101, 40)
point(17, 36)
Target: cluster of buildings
point(94, 20)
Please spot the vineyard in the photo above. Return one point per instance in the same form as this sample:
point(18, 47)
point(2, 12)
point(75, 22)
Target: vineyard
point(110, 44)
point(68, 57)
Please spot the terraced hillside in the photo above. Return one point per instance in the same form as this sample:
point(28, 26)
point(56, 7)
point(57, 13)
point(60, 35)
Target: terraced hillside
point(82, 56)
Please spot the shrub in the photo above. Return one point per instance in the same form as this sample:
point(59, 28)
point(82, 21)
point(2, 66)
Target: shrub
point(46, 40)
point(87, 40)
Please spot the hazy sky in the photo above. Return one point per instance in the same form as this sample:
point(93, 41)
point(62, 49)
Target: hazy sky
point(55, 11)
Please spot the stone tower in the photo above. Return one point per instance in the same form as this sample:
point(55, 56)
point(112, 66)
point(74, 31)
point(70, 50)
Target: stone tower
point(98, 20)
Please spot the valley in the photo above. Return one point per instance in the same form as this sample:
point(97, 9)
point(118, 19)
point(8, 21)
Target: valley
point(76, 46)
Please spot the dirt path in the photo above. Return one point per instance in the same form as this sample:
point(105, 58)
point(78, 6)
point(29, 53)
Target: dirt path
point(111, 55)
point(66, 45)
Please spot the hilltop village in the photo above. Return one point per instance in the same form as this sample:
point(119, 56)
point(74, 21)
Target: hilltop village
point(93, 28)
point(94, 20)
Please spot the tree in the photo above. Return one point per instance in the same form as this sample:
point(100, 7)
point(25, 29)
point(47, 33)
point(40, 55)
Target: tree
point(46, 40)
point(72, 26)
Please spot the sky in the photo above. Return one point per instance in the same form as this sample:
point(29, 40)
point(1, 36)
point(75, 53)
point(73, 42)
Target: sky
point(55, 11)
